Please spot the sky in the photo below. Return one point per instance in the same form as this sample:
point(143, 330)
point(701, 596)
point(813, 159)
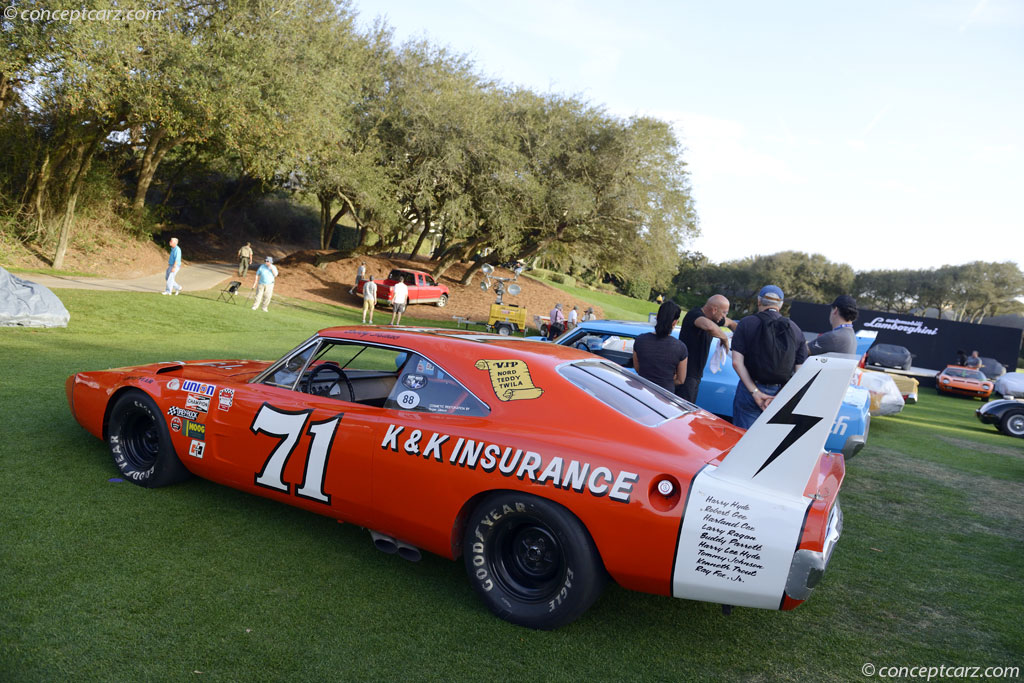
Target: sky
point(881, 134)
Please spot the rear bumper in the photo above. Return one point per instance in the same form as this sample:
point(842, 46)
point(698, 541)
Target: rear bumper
point(809, 566)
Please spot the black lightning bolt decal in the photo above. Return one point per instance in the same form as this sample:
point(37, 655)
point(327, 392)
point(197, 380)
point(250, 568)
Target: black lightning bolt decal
point(801, 423)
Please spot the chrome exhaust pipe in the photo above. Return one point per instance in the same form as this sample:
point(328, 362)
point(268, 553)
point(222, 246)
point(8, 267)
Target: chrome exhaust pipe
point(408, 552)
point(383, 543)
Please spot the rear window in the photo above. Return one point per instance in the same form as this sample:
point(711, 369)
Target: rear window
point(626, 392)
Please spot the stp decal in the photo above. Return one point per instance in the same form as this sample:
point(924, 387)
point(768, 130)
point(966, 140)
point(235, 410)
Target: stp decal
point(198, 387)
point(510, 379)
point(508, 461)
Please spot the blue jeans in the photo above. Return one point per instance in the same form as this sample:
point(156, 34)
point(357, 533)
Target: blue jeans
point(744, 408)
point(171, 284)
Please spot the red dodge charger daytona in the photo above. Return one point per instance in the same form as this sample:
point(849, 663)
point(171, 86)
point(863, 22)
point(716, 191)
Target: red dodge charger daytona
point(545, 468)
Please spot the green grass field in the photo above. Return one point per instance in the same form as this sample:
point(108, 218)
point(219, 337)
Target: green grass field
point(106, 581)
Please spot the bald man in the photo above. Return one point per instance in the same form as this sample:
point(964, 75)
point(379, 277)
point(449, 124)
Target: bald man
point(697, 329)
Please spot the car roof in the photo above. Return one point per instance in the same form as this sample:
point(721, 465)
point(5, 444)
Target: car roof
point(410, 270)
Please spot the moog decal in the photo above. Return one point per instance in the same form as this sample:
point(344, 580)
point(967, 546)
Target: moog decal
point(512, 462)
point(195, 430)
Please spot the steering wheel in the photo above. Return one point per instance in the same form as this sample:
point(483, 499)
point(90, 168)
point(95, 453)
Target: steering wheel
point(326, 369)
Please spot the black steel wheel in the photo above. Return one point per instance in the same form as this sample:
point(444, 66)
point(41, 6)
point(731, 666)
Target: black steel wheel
point(140, 443)
point(531, 560)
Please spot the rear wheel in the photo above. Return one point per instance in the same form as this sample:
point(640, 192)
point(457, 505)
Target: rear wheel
point(443, 301)
point(140, 443)
point(1013, 424)
point(504, 329)
point(531, 561)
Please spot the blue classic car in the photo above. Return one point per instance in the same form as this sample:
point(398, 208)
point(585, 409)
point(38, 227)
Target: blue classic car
point(613, 339)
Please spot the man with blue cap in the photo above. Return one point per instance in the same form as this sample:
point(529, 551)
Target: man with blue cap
point(767, 349)
point(264, 283)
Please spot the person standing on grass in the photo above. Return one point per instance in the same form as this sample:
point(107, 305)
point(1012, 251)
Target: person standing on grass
point(399, 300)
point(658, 356)
point(698, 327)
point(244, 259)
point(556, 325)
point(767, 349)
point(173, 266)
point(842, 338)
point(574, 316)
point(264, 283)
point(369, 299)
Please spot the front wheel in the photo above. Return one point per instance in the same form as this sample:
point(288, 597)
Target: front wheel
point(1013, 424)
point(140, 443)
point(443, 301)
point(531, 561)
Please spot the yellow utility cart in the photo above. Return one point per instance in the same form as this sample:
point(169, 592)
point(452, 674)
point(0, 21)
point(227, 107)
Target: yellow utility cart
point(506, 319)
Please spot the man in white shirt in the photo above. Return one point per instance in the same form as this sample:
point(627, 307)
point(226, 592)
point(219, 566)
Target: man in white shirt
point(264, 284)
point(398, 301)
point(574, 316)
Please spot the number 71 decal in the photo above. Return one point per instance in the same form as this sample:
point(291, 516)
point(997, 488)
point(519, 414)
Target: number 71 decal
point(288, 427)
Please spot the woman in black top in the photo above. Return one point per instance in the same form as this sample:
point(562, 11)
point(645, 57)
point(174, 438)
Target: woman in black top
point(658, 356)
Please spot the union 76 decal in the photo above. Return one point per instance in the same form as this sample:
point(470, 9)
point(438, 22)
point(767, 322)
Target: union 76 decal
point(288, 427)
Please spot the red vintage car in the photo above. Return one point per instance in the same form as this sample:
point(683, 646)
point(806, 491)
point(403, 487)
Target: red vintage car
point(545, 468)
point(423, 289)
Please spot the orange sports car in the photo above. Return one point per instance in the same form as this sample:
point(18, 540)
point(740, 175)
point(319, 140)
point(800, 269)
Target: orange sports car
point(546, 469)
point(963, 381)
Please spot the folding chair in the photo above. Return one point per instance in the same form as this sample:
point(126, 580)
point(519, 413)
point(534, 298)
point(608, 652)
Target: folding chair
point(228, 293)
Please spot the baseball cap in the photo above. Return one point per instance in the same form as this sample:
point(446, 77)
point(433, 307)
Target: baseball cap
point(772, 293)
point(270, 259)
point(845, 301)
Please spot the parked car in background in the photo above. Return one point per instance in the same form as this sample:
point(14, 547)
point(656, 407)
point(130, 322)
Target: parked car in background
point(546, 469)
point(613, 340)
point(1010, 385)
point(889, 356)
point(1006, 414)
point(992, 368)
point(422, 288)
point(963, 381)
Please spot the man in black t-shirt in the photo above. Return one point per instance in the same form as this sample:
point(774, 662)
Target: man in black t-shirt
point(698, 327)
point(759, 385)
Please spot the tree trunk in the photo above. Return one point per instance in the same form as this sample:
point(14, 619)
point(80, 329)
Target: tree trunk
point(423, 233)
point(456, 253)
point(471, 271)
point(68, 220)
point(155, 153)
point(242, 186)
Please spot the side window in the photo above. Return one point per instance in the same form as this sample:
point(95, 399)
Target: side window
point(424, 387)
point(347, 371)
point(429, 281)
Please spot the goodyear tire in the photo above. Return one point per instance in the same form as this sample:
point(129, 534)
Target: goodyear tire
point(140, 443)
point(1012, 424)
point(531, 561)
point(443, 301)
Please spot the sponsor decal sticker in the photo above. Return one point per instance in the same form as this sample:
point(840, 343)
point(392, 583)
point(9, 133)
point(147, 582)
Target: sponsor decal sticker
point(226, 398)
point(200, 403)
point(196, 449)
point(510, 379)
point(173, 384)
point(175, 411)
point(195, 430)
point(414, 381)
point(199, 387)
point(176, 424)
point(509, 461)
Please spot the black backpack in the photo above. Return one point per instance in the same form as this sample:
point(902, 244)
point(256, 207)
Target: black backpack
point(776, 352)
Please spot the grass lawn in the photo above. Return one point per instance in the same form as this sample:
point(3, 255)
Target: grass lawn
point(616, 306)
point(106, 581)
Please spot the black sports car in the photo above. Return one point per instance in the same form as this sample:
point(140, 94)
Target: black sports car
point(1006, 414)
point(889, 356)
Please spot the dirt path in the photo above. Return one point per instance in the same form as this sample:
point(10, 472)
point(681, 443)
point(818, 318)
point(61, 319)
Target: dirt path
point(301, 279)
